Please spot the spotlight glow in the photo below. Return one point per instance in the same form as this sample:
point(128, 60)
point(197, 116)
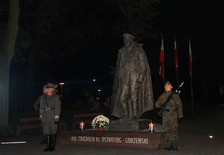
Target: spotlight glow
point(5, 143)
point(210, 136)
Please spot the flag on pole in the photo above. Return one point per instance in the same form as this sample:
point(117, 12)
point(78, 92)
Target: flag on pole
point(190, 59)
point(176, 56)
point(161, 60)
point(191, 75)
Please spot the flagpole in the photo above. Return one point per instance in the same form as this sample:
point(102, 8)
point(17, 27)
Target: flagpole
point(192, 99)
point(191, 76)
point(163, 60)
point(177, 79)
point(176, 60)
point(163, 67)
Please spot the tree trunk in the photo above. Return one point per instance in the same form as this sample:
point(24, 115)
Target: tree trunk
point(126, 10)
point(6, 55)
point(4, 92)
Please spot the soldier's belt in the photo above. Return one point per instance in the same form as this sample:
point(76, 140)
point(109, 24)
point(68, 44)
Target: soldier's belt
point(48, 109)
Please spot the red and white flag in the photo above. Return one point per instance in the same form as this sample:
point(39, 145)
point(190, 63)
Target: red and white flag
point(161, 60)
point(175, 55)
point(190, 59)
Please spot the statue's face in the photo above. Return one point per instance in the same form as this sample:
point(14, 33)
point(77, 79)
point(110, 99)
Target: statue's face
point(128, 42)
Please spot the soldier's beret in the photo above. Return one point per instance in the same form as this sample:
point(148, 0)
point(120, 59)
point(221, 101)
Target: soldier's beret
point(168, 83)
point(50, 85)
point(128, 36)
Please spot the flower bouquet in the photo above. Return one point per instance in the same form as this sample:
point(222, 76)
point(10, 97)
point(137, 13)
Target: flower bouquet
point(100, 121)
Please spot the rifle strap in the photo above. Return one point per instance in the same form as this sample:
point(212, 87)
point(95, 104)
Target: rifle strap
point(168, 98)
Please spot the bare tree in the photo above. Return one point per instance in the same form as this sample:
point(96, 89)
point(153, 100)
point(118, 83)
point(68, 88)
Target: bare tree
point(138, 16)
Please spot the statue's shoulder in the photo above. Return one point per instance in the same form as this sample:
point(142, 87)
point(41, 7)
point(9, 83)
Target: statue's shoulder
point(138, 45)
point(122, 49)
point(138, 48)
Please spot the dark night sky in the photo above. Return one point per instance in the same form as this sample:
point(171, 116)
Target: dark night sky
point(199, 20)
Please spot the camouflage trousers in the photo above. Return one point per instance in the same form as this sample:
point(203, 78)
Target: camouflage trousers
point(49, 128)
point(170, 126)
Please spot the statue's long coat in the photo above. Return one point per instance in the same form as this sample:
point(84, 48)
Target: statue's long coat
point(145, 96)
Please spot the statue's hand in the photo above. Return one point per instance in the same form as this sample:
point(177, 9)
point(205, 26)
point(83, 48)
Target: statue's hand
point(139, 83)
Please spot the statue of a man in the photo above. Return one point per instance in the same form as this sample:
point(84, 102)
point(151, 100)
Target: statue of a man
point(132, 89)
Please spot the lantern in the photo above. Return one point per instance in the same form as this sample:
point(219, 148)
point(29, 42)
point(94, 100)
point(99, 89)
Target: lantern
point(82, 125)
point(151, 127)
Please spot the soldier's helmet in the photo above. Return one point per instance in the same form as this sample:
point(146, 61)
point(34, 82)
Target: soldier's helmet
point(50, 85)
point(168, 83)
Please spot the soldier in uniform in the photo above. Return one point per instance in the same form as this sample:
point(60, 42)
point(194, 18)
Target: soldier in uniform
point(50, 108)
point(170, 117)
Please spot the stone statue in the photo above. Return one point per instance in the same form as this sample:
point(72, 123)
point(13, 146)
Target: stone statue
point(132, 93)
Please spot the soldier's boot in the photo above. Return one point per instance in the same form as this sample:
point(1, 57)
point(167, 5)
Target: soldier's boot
point(43, 141)
point(171, 145)
point(52, 142)
point(48, 143)
point(168, 145)
point(175, 146)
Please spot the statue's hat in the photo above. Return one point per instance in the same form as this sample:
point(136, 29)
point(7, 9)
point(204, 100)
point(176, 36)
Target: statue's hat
point(128, 36)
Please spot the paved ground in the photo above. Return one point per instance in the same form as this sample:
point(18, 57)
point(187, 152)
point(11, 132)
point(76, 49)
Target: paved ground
point(194, 140)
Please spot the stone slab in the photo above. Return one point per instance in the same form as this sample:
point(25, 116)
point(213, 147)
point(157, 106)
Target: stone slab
point(137, 139)
point(132, 125)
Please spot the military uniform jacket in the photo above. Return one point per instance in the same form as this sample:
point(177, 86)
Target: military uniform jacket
point(50, 108)
point(175, 101)
point(37, 103)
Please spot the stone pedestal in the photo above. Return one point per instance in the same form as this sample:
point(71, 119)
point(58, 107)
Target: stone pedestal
point(131, 139)
point(133, 125)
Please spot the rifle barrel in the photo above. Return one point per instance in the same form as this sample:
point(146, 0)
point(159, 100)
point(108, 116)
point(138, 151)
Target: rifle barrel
point(181, 84)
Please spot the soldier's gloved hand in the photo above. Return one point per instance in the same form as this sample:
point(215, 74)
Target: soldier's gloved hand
point(179, 119)
point(40, 117)
point(56, 118)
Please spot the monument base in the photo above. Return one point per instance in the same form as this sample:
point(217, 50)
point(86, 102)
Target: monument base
point(135, 125)
point(137, 139)
point(132, 125)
